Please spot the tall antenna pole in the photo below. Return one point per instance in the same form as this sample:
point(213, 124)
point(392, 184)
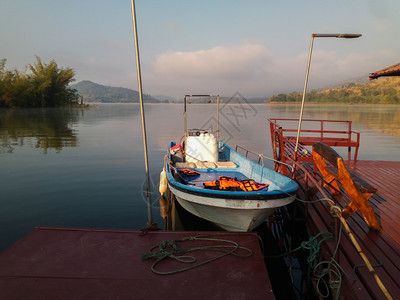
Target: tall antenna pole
point(139, 77)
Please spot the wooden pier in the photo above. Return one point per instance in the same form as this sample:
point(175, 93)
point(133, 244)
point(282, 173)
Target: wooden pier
point(381, 248)
point(70, 263)
point(360, 262)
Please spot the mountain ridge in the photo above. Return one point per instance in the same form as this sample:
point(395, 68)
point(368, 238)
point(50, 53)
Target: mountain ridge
point(361, 90)
point(94, 92)
point(381, 91)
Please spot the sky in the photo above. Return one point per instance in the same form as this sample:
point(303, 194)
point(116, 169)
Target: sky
point(255, 47)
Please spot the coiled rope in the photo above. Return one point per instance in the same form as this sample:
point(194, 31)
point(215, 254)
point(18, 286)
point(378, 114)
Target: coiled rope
point(343, 224)
point(170, 249)
point(312, 245)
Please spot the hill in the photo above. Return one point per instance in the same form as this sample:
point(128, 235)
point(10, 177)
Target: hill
point(381, 91)
point(164, 98)
point(93, 92)
point(344, 83)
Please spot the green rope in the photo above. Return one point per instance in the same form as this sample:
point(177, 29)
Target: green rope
point(333, 267)
point(312, 245)
point(170, 249)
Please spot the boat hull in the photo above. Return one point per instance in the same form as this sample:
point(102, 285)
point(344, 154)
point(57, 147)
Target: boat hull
point(233, 210)
point(230, 214)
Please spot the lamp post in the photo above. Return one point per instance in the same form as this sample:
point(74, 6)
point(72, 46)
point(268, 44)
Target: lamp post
point(314, 35)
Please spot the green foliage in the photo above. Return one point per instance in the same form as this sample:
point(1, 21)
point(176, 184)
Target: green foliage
point(382, 91)
point(45, 86)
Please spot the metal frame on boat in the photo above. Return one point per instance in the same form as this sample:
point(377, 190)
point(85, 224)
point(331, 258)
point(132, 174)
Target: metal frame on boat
point(234, 210)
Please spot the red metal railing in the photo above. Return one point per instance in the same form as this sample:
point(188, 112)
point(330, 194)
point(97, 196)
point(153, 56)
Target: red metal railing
point(319, 133)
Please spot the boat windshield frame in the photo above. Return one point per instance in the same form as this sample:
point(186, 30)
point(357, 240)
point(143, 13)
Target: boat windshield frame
point(186, 98)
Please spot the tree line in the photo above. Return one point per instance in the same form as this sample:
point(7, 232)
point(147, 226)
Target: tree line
point(383, 91)
point(43, 85)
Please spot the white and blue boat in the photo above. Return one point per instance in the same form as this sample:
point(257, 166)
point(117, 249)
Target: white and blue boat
point(201, 160)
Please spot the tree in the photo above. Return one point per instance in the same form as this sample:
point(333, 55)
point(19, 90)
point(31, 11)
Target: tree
point(50, 83)
point(278, 98)
point(45, 86)
point(385, 91)
point(390, 96)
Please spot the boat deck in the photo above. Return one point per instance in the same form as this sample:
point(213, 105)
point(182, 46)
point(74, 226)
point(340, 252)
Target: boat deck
point(68, 263)
point(381, 248)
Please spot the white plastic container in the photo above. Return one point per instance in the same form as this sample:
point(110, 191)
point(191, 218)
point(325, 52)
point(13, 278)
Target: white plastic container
point(202, 147)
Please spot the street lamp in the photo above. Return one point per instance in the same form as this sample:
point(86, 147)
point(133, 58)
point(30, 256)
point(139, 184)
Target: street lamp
point(314, 35)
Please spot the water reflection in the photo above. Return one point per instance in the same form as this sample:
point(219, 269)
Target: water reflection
point(39, 128)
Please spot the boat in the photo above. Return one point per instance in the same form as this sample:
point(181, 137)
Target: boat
point(196, 167)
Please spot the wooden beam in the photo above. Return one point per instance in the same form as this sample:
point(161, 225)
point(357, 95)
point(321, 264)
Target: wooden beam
point(359, 199)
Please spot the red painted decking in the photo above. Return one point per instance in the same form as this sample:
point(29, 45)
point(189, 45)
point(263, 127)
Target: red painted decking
point(385, 176)
point(62, 263)
point(382, 249)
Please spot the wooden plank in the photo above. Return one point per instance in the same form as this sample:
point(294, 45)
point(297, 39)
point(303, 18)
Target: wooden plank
point(386, 173)
point(386, 177)
point(371, 176)
point(302, 151)
point(70, 263)
point(352, 289)
point(362, 184)
point(387, 219)
point(348, 250)
point(378, 247)
point(359, 199)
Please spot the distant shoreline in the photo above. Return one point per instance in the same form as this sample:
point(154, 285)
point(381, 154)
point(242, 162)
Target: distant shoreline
point(331, 103)
point(252, 103)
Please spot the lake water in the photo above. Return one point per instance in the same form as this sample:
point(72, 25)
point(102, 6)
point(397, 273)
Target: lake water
point(85, 168)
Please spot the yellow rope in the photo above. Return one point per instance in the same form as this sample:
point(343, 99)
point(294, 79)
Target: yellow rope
point(364, 257)
point(338, 213)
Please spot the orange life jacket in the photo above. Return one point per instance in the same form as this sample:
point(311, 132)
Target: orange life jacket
point(188, 172)
point(222, 183)
point(225, 182)
point(248, 185)
point(228, 183)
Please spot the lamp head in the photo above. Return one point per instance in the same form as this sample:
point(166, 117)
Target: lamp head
point(338, 35)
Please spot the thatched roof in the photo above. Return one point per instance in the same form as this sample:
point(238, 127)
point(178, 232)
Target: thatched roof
point(389, 71)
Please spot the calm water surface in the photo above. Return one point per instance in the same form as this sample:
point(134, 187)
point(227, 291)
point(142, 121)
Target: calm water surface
point(85, 168)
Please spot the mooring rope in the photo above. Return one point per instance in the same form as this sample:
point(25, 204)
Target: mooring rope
point(312, 245)
point(336, 210)
point(170, 249)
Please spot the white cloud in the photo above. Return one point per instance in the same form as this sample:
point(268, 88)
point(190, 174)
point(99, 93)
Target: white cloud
point(218, 61)
point(254, 71)
point(329, 68)
point(222, 70)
